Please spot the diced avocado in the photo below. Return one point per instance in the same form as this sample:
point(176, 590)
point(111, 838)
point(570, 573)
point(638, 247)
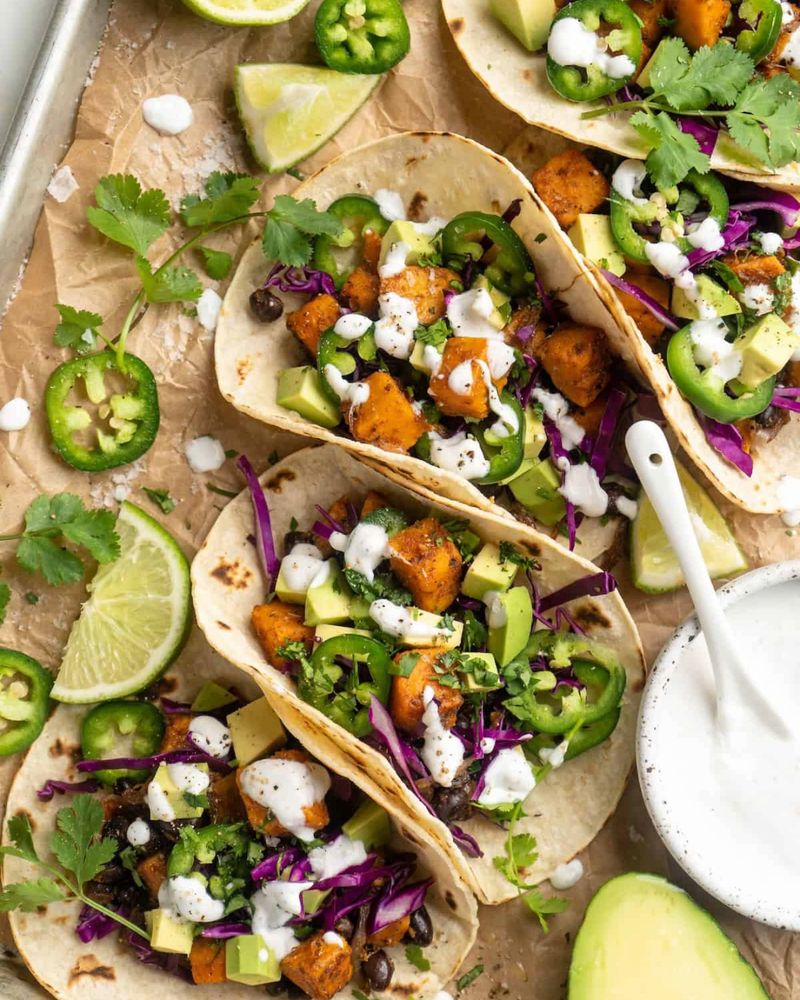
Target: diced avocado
point(537, 491)
point(255, 731)
point(167, 934)
point(127, 407)
point(488, 571)
point(419, 245)
point(707, 290)
point(369, 824)
point(592, 237)
point(510, 638)
point(323, 632)
point(535, 437)
point(329, 603)
point(450, 641)
point(502, 303)
point(299, 390)
point(528, 20)
point(524, 465)
point(766, 347)
point(212, 696)
point(312, 899)
point(95, 385)
point(416, 359)
point(644, 938)
point(287, 593)
point(249, 960)
point(643, 79)
point(174, 795)
point(491, 676)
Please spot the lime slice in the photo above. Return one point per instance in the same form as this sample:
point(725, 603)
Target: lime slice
point(289, 111)
point(246, 11)
point(653, 563)
point(135, 620)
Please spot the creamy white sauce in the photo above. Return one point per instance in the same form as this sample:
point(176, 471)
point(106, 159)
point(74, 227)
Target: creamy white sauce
point(581, 486)
point(430, 228)
point(469, 312)
point(62, 184)
point(287, 788)
point(627, 181)
point(554, 756)
point(442, 751)
point(572, 44)
point(496, 616)
point(431, 358)
point(138, 833)
point(364, 548)
point(187, 899)
point(352, 326)
point(279, 901)
point(337, 856)
point(169, 114)
point(209, 306)
point(353, 393)
point(394, 331)
point(770, 242)
point(627, 507)
point(758, 299)
point(788, 10)
point(204, 454)
point(791, 52)
point(390, 205)
point(15, 415)
point(210, 735)
point(395, 262)
point(158, 803)
point(331, 937)
point(461, 380)
point(687, 282)
point(712, 350)
point(459, 453)
point(487, 744)
point(788, 495)
point(666, 258)
point(191, 778)
point(500, 357)
point(304, 567)
point(508, 779)
point(567, 875)
point(706, 235)
point(556, 408)
point(397, 621)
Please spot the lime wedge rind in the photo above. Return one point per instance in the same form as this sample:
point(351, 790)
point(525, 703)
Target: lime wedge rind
point(135, 620)
point(246, 12)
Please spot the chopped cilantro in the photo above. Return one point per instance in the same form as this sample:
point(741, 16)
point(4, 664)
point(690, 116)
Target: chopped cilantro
point(160, 498)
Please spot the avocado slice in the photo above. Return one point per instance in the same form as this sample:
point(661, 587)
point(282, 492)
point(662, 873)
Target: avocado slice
point(707, 290)
point(299, 389)
point(419, 245)
point(212, 696)
point(528, 20)
point(168, 935)
point(369, 824)
point(766, 347)
point(488, 571)
point(249, 960)
point(510, 638)
point(592, 236)
point(645, 938)
point(255, 731)
point(537, 490)
point(329, 603)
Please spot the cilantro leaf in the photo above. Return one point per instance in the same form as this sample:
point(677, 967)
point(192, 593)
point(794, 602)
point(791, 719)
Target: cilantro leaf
point(290, 226)
point(5, 597)
point(29, 896)
point(160, 498)
point(468, 978)
point(474, 636)
point(724, 71)
point(404, 666)
point(126, 214)
point(766, 119)
point(74, 843)
point(78, 329)
point(42, 555)
point(383, 585)
point(19, 830)
point(510, 553)
point(713, 75)
point(169, 284)
point(94, 530)
point(228, 196)
point(416, 956)
point(543, 906)
point(435, 334)
point(673, 153)
point(217, 263)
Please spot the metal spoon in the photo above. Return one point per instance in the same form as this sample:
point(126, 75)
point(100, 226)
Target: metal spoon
point(737, 695)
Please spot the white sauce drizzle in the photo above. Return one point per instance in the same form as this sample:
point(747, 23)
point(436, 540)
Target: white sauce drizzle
point(394, 331)
point(572, 44)
point(287, 788)
point(397, 621)
point(337, 856)
point(352, 326)
point(353, 393)
point(508, 779)
point(459, 453)
point(442, 751)
point(210, 735)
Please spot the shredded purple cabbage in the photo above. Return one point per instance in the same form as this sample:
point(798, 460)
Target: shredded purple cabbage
point(651, 305)
point(144, 953)
point(145, 763)
point(606, 431)
point(736, 234)
point(594, 585)
point(524, 394)
point(50, 787)
point(557, 451)
point(93, 925)
point(269, 868)
point(512, 211)
point(468, 844)
point(335, 525)
point(322, 530)
point(726, 439)
point(300, 280)
point(787, 398)
point(265, 543)
point(761, 200)
point(170, 707)
point(385, 731)
point(397, 903)
point(223, 931)
point(705, 134)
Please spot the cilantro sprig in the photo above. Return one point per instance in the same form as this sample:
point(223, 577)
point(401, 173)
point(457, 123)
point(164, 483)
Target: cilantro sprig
point(81, 855)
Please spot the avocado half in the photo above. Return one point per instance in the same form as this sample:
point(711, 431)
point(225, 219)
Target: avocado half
point(645, 939)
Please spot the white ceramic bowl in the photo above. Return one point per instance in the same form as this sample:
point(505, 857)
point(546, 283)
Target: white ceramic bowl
point(665, 783)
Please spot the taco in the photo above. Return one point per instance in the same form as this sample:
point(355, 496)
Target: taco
point(408, 344)
point(704, 278)
point(454, 656)
point(235, 858)
point(724, 70)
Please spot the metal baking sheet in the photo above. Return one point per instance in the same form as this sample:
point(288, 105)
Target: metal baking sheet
point(43, 126)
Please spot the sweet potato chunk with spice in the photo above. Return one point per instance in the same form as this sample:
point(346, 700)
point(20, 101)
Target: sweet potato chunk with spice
point(474, 403)
point(153, 872)
point(207, 961)
point(755, 270)
point(360, 291)
point(425, 286)
point(651, 328)
point(651, 13)
point(262, 820)
point(175, 732)
point(371, 250)
point(426, 561)
point(311, 320)
point(570, 185)
point(406, 705)
point(277, 623)
point(577, 360)
point(224, 801)
point(320, 968)
point(589, 417)
point(391, 934)
point(387, 419)
point(700, 22)
point(373, 501)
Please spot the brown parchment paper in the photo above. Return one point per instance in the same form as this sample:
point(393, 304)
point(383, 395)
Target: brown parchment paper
point(154, 47)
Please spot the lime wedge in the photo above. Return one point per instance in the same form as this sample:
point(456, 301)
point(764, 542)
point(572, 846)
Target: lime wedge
point(654, 566)
point(135, 620)
point(289, 111)
point(246, 11)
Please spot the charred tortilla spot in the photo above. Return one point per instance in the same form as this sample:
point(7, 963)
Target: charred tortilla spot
point(457, 25)
point(224, 625)
point(496, 206)
point(527, 75)
point(58, 748)
point(590, 616)
point(450, 899)
point(417, 204)
point(88, 965)
point(275, 484)
point(29, 817)
point(243, 368)
point(232, 574)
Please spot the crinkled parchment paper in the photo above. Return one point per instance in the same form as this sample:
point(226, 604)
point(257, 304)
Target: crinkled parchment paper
point(159, 47)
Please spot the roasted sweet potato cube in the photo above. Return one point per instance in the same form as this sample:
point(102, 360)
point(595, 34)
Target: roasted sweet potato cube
point(651, 13)
point(360, 291)
point(373, 501)
point(475, 403)
point(224, 801)
point(387, 419)
point(153, 871)
point(426, 561)
point(277, 623)
point(651, 328)
point(262, 820)
point(755, 269)
point(700, 22)
point(406, 705)
point(589, 417)
point(207, 961)
point(175, 732)
point(570, 185)
point(311, 320)
point(371, 250)
point(320, 968)
point(578, 361)
point(425, 286)
point(391, 934)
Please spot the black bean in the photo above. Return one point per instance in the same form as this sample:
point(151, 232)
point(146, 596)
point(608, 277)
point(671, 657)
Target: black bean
point(420, 928)
point(453, 803)
point(266, 307)
point(292, 538)
point(378, 970)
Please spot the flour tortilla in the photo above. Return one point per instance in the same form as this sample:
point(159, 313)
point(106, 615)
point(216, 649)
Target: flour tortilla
point(108, 970)
point(517, 79)
point(570, 806)
point(422, 167)
point(771, 459)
